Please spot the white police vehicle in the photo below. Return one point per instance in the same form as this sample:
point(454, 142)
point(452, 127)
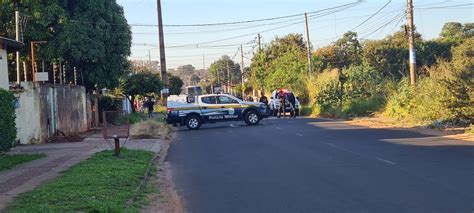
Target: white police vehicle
point(193, 111)
point(275, 103)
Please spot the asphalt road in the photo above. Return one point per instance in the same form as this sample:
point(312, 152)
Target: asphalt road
point(314, 165)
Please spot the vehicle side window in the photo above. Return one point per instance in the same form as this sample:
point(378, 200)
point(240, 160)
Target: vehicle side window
point(226, 100)
point(209, 100)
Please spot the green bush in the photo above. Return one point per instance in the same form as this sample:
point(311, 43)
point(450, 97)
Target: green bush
point(133, 118)
point(364, 107)
point(399, 103)
point(107, 103)
point(442, 98)
point(7, 120)
point(363, 92)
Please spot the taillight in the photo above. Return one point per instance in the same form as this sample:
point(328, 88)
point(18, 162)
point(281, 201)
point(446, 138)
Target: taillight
point(169, 110)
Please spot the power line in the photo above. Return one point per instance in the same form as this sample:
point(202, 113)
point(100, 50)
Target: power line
point(398, 17)
point(444, 7)
point(250, 21)
point(251, 34)
point(210, 24)
point(366, 20)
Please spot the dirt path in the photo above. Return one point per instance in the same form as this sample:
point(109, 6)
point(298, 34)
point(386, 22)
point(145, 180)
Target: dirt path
point(169, 200)
point(386, 123)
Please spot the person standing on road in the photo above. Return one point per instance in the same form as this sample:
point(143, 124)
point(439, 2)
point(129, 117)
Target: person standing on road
point(264, 100)
point(149, 105)
point(282, 97)
point(292, 100)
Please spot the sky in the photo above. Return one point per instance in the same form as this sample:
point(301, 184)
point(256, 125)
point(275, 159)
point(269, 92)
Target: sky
point(201, 45)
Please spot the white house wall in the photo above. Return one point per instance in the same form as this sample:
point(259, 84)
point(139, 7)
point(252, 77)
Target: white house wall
point(45, 110)
point(3, 69)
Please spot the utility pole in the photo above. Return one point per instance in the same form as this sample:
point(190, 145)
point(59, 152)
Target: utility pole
point(242, 69)
point(149, 57)
point(411, 42)
point(217, 73)
point(17, 37)
point(308, 47)
point(258, 41)
point(32, 45)
point(33, 63)
point(203, 62)
point(228, 76)
point(164, 78)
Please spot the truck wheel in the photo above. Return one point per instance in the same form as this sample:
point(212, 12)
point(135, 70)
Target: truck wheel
point(297, 112)
point(252, 117)
point(193, 122)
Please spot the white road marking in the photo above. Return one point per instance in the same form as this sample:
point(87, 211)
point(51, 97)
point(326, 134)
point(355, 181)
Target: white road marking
point(299, 134)
point(279, 128)
point(386, 161)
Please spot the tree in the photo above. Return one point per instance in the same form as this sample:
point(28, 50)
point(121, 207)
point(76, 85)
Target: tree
point(348, 49)
point(142, 83)
point(91, 35)
point(452, 30)
point(325, 58)
point(281, 64)
point(144, 66)
point(188, 68)
point(175, 84)
point(388, 57)
point(218, 70)
point(400, 38)
point(195, 79)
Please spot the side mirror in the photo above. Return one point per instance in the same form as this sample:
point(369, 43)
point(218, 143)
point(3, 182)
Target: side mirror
point(190, 99)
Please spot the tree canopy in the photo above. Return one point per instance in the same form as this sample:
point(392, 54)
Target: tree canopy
point(91, 35)
point(280, 64)
point(143, 83)
point(218, 70)
point(175, 84)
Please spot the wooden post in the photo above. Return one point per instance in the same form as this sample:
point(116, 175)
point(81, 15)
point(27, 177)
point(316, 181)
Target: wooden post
point(117, 146)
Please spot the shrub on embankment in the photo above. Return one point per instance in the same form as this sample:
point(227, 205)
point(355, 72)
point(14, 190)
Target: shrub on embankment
point(7, 120)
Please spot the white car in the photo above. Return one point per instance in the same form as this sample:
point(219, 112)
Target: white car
point(275, 104)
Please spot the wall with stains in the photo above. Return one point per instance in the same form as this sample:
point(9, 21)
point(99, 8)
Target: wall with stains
point(45, 110)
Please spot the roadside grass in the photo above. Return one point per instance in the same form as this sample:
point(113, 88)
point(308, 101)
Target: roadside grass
point(8, 161)
point(103, 183)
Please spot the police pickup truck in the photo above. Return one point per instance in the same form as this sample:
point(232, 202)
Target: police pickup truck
point(194, 111)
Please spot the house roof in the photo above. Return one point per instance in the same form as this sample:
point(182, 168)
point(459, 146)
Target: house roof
point(10, 44)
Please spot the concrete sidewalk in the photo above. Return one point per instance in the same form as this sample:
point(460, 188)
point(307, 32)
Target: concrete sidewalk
point(60, 156)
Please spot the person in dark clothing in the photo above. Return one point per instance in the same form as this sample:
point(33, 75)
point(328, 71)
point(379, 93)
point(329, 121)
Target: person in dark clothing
point(150, 105)
point(292, 101)
point(263, 98)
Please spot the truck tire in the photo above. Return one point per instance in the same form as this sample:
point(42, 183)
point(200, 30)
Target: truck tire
point(297, 112)
point(193, 122)
point(252, 117)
